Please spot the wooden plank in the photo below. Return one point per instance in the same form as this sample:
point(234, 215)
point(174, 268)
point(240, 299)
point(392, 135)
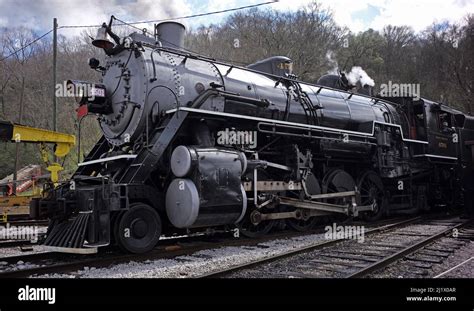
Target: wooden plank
point(341, 263)
point(322, 268)
point(350, 257)
point(364, 253)
point(433, 253)
point(378, 244)
point(69, 250)
point(424, 259)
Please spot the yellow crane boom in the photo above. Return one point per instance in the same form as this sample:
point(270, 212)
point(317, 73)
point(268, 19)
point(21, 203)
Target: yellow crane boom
point(26, 134)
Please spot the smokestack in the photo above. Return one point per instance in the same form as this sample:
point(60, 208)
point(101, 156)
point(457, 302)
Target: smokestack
point(366, 90)
point(170, 34)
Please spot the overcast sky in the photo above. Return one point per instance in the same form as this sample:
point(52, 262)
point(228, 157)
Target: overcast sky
point(358, 15)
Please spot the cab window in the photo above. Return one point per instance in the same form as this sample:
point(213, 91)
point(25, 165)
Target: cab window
point(445, 122)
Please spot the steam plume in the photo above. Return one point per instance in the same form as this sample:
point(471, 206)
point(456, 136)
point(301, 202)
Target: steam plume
point(358, 74)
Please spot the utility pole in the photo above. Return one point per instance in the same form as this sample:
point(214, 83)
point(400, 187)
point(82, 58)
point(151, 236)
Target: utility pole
point(18, 139)
point(55, 54)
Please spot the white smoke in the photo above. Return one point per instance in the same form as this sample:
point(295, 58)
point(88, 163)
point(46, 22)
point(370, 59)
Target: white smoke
point(358, 74)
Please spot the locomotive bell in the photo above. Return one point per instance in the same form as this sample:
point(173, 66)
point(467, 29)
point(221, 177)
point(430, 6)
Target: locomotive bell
point(101, 40)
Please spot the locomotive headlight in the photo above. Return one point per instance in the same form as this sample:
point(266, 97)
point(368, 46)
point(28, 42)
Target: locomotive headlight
point(286, 66)
point(92, 95)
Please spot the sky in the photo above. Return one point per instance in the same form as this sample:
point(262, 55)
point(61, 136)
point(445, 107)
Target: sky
point(358, 15)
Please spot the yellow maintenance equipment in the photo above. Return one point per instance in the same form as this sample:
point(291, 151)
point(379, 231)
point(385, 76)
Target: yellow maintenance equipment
point(14, 206)
point(25, 134)
point(62, 144)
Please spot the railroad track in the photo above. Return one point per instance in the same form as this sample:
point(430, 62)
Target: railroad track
point(424, 253)
point(21, 241)
point(48, 262)
point(342, 258)
point(17, 243)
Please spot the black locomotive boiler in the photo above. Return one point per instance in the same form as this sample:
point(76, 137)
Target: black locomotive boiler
point(190, 143)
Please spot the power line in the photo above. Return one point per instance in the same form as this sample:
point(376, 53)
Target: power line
point(131, 24)
point(177, 46)
point(81, 26)
point(126, 24)
point(205, 14)
point(181, 47)
point(181, 17)
point(27, 45)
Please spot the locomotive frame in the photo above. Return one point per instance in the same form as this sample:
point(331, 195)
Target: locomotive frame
point(322, 151)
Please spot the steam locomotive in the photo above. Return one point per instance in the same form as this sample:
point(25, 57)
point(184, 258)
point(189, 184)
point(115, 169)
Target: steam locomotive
point(191, 143)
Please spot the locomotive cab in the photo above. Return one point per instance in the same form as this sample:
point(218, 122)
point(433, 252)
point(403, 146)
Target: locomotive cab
point(466, 147)
point(443, 132)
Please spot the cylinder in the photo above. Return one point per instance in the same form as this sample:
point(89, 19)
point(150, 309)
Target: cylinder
point(208, 189)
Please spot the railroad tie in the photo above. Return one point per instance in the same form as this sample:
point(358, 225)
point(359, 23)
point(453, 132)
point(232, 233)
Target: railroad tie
point(424, 259)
